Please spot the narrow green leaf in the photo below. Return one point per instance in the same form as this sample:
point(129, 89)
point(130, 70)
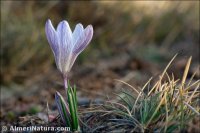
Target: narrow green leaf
point(72, 111)
point(125, 101)
point(65, 113)
point(75, 108)
point(63, 109)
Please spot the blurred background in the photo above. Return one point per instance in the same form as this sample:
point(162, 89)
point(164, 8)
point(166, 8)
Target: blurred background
point(132, 41)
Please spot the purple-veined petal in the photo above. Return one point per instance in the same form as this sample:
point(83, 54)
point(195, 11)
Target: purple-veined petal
point(52, 39)
point(84, 40)
point(77, 34)
point(71, 61)
point(66, 43)
point(78, 31)
point(65, 35)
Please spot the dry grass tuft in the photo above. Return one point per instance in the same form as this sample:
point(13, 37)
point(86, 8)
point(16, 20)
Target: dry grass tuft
point(170, 105)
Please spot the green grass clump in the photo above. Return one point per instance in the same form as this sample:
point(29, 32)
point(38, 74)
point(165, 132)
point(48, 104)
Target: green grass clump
point(167, 106)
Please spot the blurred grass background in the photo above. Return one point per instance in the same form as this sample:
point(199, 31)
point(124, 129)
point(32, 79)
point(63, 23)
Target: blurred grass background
point(153, 31)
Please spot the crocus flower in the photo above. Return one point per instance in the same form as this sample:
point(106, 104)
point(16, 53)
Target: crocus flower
point(66, 46)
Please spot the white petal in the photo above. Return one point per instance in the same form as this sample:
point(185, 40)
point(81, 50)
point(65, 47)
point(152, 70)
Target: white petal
point(84, 40)
point(52, 39)
point(64, 34)
point(71, 62)
point(77, 33)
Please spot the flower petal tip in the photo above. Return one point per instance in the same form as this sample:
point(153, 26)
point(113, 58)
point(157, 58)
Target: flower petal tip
point(48, 22)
